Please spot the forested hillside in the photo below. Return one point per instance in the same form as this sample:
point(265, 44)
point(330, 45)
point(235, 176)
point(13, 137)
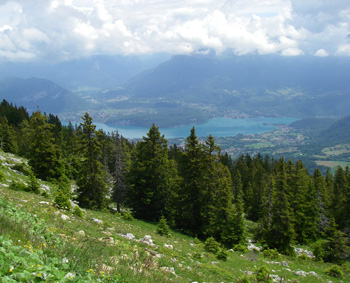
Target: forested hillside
point(198, 190)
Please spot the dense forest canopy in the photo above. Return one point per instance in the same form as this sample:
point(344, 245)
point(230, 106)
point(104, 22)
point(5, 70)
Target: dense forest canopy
point(196, 188)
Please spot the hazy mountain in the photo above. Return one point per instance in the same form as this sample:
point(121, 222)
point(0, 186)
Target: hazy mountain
point(302, 86)
point(100, 71)
point(40, 94)
point(338, 132)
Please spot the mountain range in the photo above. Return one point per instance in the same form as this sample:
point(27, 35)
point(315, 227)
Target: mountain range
point(198, 86)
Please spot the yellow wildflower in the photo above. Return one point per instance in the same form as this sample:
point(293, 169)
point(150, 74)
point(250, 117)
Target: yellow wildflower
point(38, 265)
point(10, 270)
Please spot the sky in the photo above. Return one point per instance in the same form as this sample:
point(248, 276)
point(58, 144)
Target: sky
point(56, 30)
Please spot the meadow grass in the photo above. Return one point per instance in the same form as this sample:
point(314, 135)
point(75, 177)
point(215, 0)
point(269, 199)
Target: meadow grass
point(37, 244)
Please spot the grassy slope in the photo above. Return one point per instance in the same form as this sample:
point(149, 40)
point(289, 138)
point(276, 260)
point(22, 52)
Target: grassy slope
point(36, 245)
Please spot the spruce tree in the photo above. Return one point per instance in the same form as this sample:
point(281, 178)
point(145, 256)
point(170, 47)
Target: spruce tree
point(191, 194)
point(119, 171)
point(44, 156)
point(152, 178)
point(234, 232)
point(280, 233)
point(92, 188)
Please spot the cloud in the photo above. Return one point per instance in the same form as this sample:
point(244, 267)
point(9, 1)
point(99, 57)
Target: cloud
point(321, 53)
point(66, 29)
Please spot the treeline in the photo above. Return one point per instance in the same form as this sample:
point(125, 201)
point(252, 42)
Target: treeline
point(196, 188)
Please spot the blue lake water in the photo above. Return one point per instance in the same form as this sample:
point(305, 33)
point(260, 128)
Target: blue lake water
point(218, 127)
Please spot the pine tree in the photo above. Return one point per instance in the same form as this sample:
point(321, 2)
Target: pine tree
point(152, 178)
point(44, 156)
point(92, 189)
point(322, 200)
point(234, 232)
point(280, 233)
point(191, 194)
point(8, 142)
point(120, 171)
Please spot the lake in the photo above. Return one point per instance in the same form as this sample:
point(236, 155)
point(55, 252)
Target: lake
point(218, 127)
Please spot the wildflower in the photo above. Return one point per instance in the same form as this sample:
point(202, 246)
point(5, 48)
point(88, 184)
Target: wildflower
point(44, 245)
point(39, 274)
point(10, 270)
point(38, 265)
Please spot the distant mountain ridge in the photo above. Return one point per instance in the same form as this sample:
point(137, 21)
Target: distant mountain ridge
point(35, 93)
point(301, 86)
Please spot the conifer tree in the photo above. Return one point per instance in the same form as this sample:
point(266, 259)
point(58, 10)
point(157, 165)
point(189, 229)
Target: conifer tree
point(92, 189)
point(152, 178)
point(119, 171)
point(322, 201)
point(339, 201)
point(8, 142)
point(234, 231)
point(44, 156)
point(280, 233)
point(191, 194)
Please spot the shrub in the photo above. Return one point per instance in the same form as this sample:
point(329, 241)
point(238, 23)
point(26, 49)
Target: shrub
point(22, 168)
point(240, 248)
point(271, 253)
point(2, 176)
point(335, 271)
point(16, 186)
point(303, 257)
point(127, 216)
point(222, 254)
point(78, 212)
point(45, 194)
point(318, 249)
point(163, 228)
point(262, 274)
point(210, 245)
point(62, 201)
point(33, 184)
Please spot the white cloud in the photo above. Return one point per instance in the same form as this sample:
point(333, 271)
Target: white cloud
point(292, 52)
point(321, 53)
point(64, 29)
point(344, 50)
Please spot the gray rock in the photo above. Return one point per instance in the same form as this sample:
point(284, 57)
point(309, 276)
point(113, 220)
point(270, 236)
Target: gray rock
point(64, 217)
point(300, 273)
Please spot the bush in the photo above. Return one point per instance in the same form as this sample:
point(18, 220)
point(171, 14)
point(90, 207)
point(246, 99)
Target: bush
point(33, 184)
point(271, 253)
point(22, 168)
point(318, 249)
point(78, 212)
point(262, 274)
point(335, 271)
point(45, 194)
point(2, 176)
point(240, 248)
point(210, 245)
point(16, 186)
point(62, 201)
point(163, 228)
point(303, 257)
point(222, 254)
point(127, 216)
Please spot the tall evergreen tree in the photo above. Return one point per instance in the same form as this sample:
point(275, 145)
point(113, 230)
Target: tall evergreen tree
point(234, 231)
point(119, 171)
point(92, 188)
point(152, 178)
point(280, 232)
point(8, 142)
point(191, 194)
point(44, 156)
